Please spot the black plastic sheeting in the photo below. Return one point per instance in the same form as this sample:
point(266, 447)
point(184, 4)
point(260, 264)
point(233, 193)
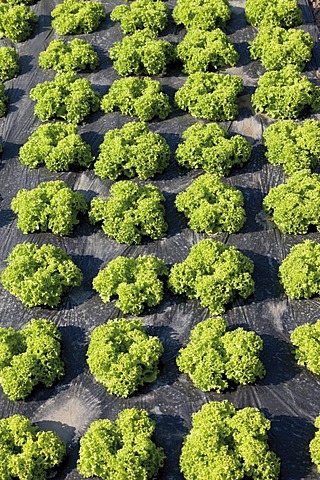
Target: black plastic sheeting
point(288, 395)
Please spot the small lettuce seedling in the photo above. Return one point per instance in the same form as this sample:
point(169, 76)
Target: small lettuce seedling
point(314, 446)
point(19, 2)
point(3, 101)
point(306, 340)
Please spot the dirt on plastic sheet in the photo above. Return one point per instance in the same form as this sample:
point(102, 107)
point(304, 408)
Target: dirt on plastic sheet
point(315, 7)
point(288, 395)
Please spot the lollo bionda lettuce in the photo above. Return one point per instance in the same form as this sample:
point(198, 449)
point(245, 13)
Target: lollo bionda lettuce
point(121, 449)
point(132, 150)
point(136, 282)
point(26, 452)
point(122, 356)
point(225, 443)
point(50, 206)
point(29, 356)
point(39, 275)
point(214, 273)
point(215, 358)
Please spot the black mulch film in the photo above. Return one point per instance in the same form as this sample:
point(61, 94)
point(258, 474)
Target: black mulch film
point(288, 395)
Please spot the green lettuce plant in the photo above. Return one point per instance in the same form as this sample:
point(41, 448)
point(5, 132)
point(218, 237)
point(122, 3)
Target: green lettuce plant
point(229, 444)
point(137, 282)
point(306, 340)
point(212, 206)
point(292, 145)
point(39, 275)
point(16, 22)
point(122, 356)
point(201, 51)
point(213, 273)
point(130, 213)
point(285, 93)
point(295, 206)
point(132, 150)
point(149, 15)
point(202, 14)
point(282, 13)
point(278, 47)
point(210, 95)
point(58, 146)
point(28, 357)
point(137, 96)
point(140, 54)
point(77, 16)
point(9, 66)
point(214, 358)
point(50, 206)
point(67, 97)
point(3, 101)
point(69, 56)
point(26, 452)
point(314, 446)
point(121, 449)
point(299, 273)
point(207, 146)
point(19, 2)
